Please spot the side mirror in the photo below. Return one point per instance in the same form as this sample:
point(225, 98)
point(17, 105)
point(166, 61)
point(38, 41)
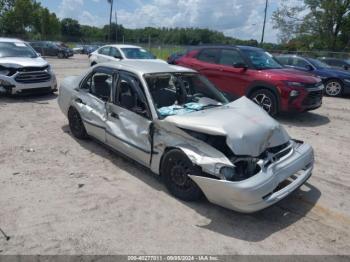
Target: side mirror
point(240, 65)
point(118, 57)
point(309, 68)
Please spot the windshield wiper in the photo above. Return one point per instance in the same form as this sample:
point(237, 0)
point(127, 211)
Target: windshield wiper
point(211, 105)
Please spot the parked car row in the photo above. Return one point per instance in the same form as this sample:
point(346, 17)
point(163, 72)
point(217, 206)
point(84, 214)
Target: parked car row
point(48, 48)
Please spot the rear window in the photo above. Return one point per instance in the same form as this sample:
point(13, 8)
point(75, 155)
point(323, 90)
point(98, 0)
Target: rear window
point(209, 55)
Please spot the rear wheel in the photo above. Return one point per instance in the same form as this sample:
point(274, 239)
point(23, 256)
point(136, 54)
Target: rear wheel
point(333, 88)
point(76, 124)
point(266, 100)
point(175, 170)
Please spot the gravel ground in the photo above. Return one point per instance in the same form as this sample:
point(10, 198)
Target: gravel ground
point(63, 196)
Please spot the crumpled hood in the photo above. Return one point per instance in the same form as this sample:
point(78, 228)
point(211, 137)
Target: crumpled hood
point(18, 62)
point(248, 128)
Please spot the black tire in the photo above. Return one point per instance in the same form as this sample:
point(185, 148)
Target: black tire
point(60, 55)
point(174, 169)
point(76, 124)
point(266, 100)
point(333, 87)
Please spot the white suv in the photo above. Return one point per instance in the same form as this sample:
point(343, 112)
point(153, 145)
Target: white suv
point(22, 70)
point(114, 53)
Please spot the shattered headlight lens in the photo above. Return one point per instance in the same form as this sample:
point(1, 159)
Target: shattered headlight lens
point(4, 83)
point(228, 172)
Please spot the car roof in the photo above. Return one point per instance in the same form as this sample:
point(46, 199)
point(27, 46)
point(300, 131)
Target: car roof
point(147, 67)
point(10, 40)
point(242, 47)
point(124, 46)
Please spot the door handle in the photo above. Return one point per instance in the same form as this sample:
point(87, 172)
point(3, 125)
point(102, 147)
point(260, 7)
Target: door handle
point(114, 115)
point(79, 101)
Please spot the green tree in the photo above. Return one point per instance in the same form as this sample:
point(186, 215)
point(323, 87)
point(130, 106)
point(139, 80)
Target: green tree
point(325, 21)
point(70, 29)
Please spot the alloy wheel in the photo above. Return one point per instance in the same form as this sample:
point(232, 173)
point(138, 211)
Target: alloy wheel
point(333, 88)
point(263, 101)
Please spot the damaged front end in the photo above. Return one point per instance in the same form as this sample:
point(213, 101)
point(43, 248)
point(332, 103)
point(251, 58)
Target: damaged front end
point(247, 159)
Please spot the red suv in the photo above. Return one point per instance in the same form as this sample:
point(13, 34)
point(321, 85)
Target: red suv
point(252, 72)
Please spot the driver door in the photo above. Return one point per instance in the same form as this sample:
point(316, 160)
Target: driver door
point(129, 120)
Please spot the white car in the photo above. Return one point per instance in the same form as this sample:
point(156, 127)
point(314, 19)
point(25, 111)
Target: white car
point(114, 53)
point(176, 123)
point(22, 70)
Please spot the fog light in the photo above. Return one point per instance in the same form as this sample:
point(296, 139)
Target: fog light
point(294, 93)
point(227, 172)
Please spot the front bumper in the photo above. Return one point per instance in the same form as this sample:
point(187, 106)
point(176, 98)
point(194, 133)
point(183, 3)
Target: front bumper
point(264, 189)
point(18, 88)
point(346, 88)
point(307, 99)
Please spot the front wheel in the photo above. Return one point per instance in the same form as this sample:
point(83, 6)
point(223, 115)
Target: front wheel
point(60, 55)
point(176, 168)
point(266, 100)
point(333, 88)
point(76, 124)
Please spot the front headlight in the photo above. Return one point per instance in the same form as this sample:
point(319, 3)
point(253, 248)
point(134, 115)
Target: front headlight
point(227, 172)
point(5, 83)
point(48, 69)
point(294, 84)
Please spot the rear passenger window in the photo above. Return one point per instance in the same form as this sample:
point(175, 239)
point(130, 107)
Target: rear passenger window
point(99, 85)
point(209, 55)
point(230, 57)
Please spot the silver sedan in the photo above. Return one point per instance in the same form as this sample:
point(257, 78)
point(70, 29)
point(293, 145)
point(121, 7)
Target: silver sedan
point(176, 123)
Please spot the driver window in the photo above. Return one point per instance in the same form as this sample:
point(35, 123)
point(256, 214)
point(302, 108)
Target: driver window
point(299, 63)
point(114, 52)
point(104, 50)
point(129, 94)
point(99, 85)
point(230, 58)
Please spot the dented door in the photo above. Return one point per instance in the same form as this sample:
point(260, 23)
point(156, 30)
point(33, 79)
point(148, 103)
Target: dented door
point(128, 133)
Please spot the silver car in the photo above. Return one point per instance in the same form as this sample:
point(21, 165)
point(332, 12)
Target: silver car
point(22, 70)
point(176, 123)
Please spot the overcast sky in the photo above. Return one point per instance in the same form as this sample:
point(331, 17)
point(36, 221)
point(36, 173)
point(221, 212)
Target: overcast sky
point(238, 18)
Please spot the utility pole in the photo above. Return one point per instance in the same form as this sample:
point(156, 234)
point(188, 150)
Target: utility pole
point(110, 21)
point(263, 31)
point(116, 23)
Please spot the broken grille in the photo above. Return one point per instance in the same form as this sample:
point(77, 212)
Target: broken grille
point(33, 77)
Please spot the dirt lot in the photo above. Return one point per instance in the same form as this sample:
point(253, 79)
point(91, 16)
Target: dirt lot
point(63, 196)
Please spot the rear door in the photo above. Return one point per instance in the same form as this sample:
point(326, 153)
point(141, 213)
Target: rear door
point(129, 119)
point(94, 93)
point(231, 79)
point(206, 63)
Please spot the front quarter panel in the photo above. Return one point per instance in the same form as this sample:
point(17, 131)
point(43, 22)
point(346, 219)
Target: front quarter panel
point(167, 136)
